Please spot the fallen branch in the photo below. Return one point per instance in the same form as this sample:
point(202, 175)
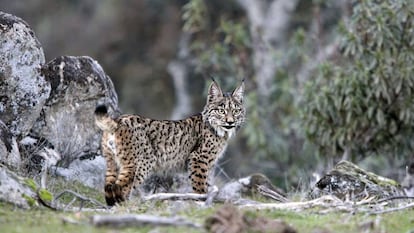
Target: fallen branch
point(408, 206)
point(207, 198)
point(331, 203)
point(328, 201)
point(267, 192)
point(78, 196)
point(175, 196)
point(133, 220)
point(394, 198)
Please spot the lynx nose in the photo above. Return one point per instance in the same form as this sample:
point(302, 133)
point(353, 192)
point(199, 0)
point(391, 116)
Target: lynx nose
point(229, 118)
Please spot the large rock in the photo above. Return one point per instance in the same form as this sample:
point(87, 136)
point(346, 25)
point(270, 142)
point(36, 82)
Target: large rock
point(9, 151)
point(67, 120)
point(23, 90)
point(48, 109)
point(347, 181)
point(13, 190)
point(89, 172)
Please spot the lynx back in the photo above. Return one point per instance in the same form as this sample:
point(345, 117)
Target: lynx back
point(135, 146)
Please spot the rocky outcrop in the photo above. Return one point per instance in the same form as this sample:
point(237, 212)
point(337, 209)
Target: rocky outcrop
point(67, 121)
point(88, 171)
point(47, 109)
point(23, 90)
point(347, 181)
point(13, 190)
point(9, 151)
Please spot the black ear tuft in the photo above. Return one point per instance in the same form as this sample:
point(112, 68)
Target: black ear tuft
point(101, 110)
point(214, 91)
point(239, 92)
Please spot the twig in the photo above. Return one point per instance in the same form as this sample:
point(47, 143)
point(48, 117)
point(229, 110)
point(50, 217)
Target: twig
point(324, 201)
point(265, 191)
point(411, 205)
point(208, 198)
point(81, 198)
point(130, 220)
point(393, 198)
point(175, 196)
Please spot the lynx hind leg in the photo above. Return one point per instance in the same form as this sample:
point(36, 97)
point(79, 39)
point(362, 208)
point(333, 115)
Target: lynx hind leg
point(199, 171)
point(137, 162)
point(111, 174)
point(126, 174)
point(120, 167)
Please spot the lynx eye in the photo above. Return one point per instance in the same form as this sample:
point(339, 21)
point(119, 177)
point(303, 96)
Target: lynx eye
point(221, 111)
point(236, 111)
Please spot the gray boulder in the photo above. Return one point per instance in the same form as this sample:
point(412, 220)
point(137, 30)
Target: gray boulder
point(78, 85)
point(67, 121)
point(9, 151)
point(89, 172)
point(23, 90)
point(49, 108)
point(13, 190)
point(347, 181)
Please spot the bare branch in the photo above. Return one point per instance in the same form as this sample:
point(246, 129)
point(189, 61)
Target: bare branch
point(131, 220)
point(80, 197)
point(267, 192)
point(408, 206)
point(324, 201)
point(208, 198)
point(175, 196)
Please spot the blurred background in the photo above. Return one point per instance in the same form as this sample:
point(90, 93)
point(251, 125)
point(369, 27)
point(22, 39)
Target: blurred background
point(325, 79)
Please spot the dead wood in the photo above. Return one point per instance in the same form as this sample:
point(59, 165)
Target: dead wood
point(175, 196)
point(403, 207)
point(76, 196)
point(207, 198)
point(135, 220)
point(267, 192)
point(328, 201)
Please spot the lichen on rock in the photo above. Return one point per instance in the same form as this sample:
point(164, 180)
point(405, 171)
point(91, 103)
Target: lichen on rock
point(23, 90)
point(347, 181)
point(67, 120)
point(52, 103)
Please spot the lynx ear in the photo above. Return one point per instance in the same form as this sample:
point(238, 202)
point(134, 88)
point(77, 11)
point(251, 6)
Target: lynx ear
point(238, 93)
point(214, 91)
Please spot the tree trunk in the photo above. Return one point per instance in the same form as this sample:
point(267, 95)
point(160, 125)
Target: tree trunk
point(178, 69)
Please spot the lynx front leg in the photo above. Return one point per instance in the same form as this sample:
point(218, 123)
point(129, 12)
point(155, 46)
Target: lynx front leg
point(199, 168)
point(144, 167)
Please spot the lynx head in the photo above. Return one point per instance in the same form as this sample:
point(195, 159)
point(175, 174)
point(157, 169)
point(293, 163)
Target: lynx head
point(224, 112)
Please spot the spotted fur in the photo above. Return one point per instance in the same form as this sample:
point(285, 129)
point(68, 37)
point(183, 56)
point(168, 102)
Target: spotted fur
point(135, 146)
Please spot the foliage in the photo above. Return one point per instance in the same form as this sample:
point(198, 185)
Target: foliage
point(221, 49)
point(365, 102)
point(224, 48)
